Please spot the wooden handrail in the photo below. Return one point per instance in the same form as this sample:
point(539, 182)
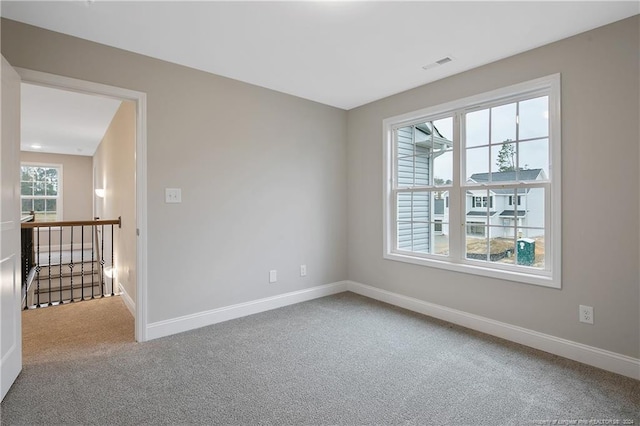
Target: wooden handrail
point(73, 223)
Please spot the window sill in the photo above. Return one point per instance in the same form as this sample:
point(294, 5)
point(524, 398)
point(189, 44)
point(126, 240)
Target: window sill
point(467, 268)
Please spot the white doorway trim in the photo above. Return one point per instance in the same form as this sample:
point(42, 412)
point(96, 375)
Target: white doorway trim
point(140, 98)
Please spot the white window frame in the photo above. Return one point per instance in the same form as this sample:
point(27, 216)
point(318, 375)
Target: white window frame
point(59, 198)
point(551, 275)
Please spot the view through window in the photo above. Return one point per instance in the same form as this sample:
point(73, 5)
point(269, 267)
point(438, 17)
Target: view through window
point(40, 191)
point(492, 157)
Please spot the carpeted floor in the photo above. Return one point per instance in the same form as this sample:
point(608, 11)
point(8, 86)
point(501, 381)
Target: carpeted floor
point(342, 359)
point(75, 330)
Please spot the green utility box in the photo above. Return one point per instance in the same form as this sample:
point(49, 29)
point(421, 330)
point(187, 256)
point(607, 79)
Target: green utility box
point(526, 251)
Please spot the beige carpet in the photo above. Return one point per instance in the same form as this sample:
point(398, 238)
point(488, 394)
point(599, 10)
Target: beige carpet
point(75, 330)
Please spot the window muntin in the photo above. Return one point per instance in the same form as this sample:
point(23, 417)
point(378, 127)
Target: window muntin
point(502, 145)
point(40, 191)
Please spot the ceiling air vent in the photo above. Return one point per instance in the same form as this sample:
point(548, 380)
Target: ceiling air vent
point(439, 62)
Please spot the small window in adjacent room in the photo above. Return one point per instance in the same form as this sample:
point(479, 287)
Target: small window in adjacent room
point(495, 159)
point(41, 191)
point(511, 198)
point(482, 201)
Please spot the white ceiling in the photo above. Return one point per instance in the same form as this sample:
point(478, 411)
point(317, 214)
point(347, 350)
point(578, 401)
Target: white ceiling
point(343, 54)
point(62, 122)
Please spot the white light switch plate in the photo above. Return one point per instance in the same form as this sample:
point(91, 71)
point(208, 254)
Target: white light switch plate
point(172, 195)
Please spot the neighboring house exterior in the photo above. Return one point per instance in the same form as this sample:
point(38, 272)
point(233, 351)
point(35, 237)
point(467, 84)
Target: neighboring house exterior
point(420, 214)
point(441, 213)
point(496, 213)
point(506, 208)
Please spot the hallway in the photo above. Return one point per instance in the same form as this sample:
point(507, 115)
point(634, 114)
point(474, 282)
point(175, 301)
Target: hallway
point(76, 330)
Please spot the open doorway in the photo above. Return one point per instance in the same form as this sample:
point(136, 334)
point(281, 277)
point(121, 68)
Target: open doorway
point(77, 171)
point(114, 184)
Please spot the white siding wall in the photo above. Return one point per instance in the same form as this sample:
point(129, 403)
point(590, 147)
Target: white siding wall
point(413, 169)
point(534, 204)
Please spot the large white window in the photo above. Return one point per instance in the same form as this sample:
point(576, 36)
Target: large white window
point(41, 191)
point(495, 158)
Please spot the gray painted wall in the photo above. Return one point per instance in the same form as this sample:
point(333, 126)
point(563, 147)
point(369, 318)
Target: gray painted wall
point(266, 178)
point(600, 140)
point(263, 175)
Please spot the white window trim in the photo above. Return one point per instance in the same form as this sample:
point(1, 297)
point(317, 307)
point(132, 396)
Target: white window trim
point(60, 196)
point(552, 275)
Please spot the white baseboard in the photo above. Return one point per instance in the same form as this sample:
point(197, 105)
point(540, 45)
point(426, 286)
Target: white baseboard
point(128, 301)
point(606, 360)
point(214, 316)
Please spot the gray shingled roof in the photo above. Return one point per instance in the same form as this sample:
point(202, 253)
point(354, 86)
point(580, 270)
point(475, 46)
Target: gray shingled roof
point(438, 139)
point(482, 213)
point(528, 174)
point(510, 213)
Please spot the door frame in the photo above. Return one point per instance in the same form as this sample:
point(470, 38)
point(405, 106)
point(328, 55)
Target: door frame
point(140, 99)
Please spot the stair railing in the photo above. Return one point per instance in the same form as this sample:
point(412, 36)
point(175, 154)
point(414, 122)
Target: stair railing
point(27, 253)
point(67, 261)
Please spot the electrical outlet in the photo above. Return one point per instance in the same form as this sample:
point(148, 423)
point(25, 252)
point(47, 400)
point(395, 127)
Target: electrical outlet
point(303, 270)
point(586, 314)
point(273, 276)
point(172, 195)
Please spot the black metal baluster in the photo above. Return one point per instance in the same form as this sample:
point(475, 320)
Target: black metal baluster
point(71, 268)
point(49, 293)
point(27, 253)
point(82, 264)
point(60, 267)
point(38, 267)
point(93, 261)
point(102, 258)
point(113, 265)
